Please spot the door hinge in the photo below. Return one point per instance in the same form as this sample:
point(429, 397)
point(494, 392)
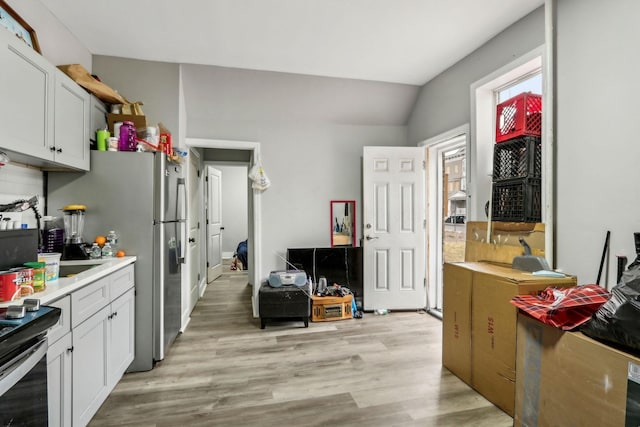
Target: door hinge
point(207, 264)
point(198, 277)
point(424, 165)
point(424, 223)
point(206, 178)
point(198, 225)
point(425, 282)
point(198, 173)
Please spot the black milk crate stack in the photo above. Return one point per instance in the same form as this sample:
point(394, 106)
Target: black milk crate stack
point(517, 160)
point(517, 200)
point(519, 157)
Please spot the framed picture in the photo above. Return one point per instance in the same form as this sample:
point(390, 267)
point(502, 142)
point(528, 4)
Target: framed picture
point(14, 23)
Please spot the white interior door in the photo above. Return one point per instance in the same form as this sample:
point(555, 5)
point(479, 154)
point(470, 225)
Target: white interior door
point(394, 228)
point(194, 246)
point(214, 223)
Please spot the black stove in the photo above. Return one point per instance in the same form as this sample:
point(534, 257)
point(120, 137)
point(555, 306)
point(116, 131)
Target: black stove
point(16, 333)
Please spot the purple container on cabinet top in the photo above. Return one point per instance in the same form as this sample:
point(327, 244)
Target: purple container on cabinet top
point(127, 140)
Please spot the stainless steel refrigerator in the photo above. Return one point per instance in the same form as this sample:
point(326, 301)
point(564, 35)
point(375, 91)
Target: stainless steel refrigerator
point(142, 197)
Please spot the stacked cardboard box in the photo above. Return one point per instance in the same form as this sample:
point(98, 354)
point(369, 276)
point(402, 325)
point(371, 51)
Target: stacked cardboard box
point(569, 379)
point(479, 325)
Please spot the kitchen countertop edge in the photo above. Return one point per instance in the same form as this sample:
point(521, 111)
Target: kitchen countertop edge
point(64, 286)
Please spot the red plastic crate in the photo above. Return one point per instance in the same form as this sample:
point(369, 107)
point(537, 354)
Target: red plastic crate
point(518, 116)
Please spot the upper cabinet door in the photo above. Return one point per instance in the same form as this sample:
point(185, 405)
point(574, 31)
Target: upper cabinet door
point(26, 99)
point(71, 128)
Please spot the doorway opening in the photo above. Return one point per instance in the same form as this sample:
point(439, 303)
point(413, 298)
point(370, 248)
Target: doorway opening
point(447, 207)
point(244, 152)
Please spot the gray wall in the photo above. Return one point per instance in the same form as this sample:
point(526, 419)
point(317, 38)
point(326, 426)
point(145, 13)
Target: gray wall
point(597, 80)
point(311, 131)
point(156, 84)
point(444, 102)
point(57, 44)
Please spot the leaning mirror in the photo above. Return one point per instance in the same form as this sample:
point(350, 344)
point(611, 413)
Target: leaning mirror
point(343, 223)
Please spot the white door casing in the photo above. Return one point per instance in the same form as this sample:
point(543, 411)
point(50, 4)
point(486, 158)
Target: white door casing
point(394, 228)
point(214, 223)
point(194, 246)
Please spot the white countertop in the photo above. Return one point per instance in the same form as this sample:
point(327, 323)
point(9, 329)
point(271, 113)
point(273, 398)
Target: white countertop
point(65, 285)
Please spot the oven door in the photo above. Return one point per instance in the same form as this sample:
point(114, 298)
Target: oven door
point(23, 387)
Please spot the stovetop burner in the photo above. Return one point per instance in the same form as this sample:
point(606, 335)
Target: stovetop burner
point(16, 332)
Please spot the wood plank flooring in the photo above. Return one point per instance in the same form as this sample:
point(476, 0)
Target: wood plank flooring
point(225, 371)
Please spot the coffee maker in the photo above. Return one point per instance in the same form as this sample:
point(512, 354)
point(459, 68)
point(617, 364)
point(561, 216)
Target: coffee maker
point(74, 244)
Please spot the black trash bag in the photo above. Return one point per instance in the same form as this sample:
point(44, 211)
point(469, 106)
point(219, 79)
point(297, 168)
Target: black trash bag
point(618, 320)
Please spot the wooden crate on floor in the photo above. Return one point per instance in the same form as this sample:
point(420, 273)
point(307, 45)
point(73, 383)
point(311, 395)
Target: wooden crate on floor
point(326, 309)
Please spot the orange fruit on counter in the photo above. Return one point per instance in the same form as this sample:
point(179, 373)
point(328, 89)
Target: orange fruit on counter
point(101, 240)
point(120, 254)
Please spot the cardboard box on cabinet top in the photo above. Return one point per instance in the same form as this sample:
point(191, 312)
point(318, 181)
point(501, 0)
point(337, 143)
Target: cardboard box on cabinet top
point(103, 92)
point(479, 325)
point(138, 121)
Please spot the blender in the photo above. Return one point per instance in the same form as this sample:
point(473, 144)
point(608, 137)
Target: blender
point(74, 245)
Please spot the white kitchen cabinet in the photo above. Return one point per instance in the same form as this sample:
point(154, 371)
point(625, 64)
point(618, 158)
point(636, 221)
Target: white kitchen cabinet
point(121, 337)
point(59, 357)
point(90, 362)
point(44, 115)
point(98, 118)
point(102, 315)
point(26, 94)
point(71, 123)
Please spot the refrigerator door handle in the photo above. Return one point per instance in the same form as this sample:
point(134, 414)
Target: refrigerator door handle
point(181, 208)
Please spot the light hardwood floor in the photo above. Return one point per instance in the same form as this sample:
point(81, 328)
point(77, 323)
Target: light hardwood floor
point(226, 371)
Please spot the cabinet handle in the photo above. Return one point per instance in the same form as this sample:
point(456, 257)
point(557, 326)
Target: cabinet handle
point(115, 314)
point(70, 349)
point(110, 316)
point(192, 240)
point(52, 148)
point(59, 150)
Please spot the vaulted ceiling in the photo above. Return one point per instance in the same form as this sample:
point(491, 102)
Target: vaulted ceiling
point(399, 41)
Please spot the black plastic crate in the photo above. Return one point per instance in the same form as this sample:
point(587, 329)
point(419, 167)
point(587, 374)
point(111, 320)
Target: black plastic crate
point(517, 200)
point(517, 158)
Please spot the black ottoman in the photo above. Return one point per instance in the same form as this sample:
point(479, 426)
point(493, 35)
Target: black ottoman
point(285, 302)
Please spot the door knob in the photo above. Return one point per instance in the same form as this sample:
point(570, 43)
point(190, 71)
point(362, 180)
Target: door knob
point(192, 240)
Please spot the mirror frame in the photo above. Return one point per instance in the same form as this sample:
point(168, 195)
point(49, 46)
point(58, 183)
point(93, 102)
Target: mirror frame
point(353, 238)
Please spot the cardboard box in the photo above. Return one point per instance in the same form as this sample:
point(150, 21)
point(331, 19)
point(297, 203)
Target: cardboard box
point(503, 244)
point(569, 379)
point(138, 121)
point(493, 324)
point(456, 321)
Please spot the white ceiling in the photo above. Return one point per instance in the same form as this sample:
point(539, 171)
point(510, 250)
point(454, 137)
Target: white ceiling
point(401, 41)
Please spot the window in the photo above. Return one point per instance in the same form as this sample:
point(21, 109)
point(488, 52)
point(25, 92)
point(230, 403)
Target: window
point(531, 82)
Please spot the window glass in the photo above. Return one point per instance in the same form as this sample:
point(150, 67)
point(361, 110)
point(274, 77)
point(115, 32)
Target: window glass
point(530, 83)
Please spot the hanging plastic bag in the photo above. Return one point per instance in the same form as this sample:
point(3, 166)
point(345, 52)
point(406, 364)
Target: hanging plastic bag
point(259, 176)
point(618, 321)
point(564, 308)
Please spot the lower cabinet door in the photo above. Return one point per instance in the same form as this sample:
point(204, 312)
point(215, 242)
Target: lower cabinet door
point(90, 366)
point(121, 341)
point(59, 357)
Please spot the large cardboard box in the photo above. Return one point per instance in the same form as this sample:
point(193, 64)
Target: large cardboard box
point(456, 321)
point(569, 379)
point(487, 289)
